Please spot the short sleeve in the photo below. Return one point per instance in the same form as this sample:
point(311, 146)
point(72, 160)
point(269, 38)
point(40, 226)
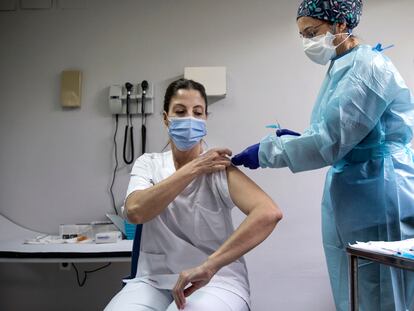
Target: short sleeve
point(221, 184)
point(141, 175)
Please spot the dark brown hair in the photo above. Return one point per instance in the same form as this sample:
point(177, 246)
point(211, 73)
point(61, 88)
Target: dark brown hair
point(185, 84)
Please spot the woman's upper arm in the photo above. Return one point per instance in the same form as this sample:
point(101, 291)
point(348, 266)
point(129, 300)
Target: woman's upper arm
point(245, 193)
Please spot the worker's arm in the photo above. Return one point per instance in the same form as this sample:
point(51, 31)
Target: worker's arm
point(353, 110)
point(262, 216)
point(143, 205)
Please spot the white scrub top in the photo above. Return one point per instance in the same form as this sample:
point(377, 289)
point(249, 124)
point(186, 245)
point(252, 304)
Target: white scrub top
point(190, 229)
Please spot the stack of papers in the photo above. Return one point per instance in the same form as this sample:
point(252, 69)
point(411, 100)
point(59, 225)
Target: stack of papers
point(403, 248)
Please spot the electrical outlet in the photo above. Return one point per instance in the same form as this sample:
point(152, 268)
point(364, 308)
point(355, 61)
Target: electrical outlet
point(64, 266)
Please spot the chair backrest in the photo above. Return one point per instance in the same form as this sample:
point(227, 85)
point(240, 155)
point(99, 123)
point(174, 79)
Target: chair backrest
point(136, 246)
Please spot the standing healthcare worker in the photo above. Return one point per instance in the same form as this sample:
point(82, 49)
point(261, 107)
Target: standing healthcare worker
point(360, 126)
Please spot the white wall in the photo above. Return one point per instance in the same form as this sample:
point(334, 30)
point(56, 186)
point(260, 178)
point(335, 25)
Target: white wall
point(56, 164)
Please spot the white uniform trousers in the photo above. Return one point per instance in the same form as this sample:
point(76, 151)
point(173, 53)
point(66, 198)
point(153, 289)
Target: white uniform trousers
point(141, 296)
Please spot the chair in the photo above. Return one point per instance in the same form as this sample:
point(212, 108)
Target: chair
point(136, 246)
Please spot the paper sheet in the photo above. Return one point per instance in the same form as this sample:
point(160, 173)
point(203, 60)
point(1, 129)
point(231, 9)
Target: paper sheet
point(404, 248)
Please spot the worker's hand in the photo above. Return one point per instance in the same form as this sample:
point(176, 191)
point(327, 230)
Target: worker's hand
point(196, 278)
point(282, 132)
point(212, 161)
point(248, 158)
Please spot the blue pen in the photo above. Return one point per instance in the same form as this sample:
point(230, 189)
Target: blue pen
point(406, 254)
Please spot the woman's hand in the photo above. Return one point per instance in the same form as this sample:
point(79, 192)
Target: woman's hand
point(197, 277)
point(144, 205)
point(212, 161)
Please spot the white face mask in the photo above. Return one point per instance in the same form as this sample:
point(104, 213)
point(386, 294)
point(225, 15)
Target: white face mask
point(320, 49)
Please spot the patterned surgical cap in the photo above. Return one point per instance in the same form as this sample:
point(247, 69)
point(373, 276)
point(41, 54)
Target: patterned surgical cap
point(334, 11)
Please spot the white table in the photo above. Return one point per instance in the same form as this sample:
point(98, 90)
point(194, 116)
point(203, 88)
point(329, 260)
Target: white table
point(12, 248)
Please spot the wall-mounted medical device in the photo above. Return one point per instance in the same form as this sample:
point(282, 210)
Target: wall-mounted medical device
point(119, 96)
point(213, 79)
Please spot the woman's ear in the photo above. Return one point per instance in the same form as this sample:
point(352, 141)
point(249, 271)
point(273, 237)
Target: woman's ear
point(341, 28)
point(165, 117)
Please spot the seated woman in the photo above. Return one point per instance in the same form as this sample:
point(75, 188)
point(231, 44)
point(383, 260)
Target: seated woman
point(190, 252)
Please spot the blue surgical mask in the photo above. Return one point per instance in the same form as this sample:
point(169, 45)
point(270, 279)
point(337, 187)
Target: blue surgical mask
point(186, 132)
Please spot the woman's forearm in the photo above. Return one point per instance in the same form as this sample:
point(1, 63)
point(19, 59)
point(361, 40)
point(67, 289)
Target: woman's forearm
point(143, 205)
point(252, 231)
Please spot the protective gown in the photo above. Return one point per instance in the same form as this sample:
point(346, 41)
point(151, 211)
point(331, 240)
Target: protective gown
point(361, 126)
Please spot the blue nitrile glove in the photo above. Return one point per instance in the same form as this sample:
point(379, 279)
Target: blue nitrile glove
point(281, 132)
point(248, 158)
